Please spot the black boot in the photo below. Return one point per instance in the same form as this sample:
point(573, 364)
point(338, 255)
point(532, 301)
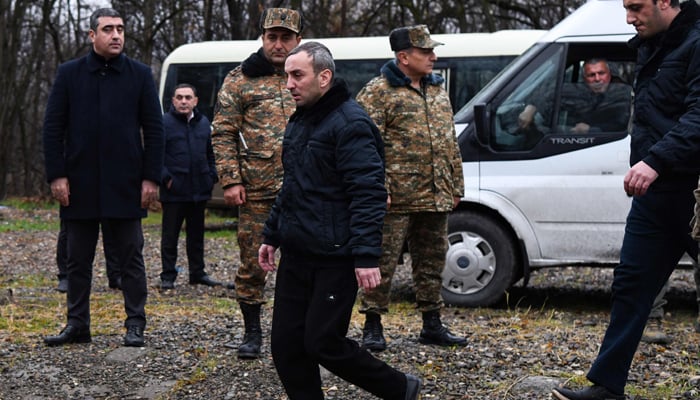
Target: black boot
point(373, 333)
point(250, 348)
point(434, 332)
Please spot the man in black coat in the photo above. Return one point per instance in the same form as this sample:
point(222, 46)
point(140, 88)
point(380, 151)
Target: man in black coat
point(103, 149)
point(189, 175)
point(327, 221)
point(665, 163)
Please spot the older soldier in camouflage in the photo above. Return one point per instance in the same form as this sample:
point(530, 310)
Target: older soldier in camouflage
point(423, 178)
point(252, 111)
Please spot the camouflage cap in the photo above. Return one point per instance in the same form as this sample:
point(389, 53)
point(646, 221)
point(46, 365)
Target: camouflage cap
point(412, 36)
point(281, 18)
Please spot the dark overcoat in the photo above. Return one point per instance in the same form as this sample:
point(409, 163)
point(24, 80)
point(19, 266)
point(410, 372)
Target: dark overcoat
point(103, 130)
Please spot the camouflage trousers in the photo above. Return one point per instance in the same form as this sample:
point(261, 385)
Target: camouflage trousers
point(250, 278)
point(426, 235)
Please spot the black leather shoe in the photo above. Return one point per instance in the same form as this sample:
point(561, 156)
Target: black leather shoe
point(116, 284)
point(62, 285)
point(69, 334)
point(204, 280)
point(373, 333)
point(413, 385)
point(167, 285)
point(134, 336)
point(594, 392)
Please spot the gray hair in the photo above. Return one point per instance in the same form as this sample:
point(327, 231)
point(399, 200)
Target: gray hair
point(102, 12)
point(321, 57)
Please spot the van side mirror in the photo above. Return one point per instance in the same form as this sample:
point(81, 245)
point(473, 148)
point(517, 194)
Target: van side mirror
point(481, 123)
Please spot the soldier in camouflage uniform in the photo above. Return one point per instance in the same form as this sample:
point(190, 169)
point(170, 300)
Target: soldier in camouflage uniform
point(252, 111)
point(423, 179)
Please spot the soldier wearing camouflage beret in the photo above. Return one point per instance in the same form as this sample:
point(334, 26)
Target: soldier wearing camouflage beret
point(252, 111)
point(423, 179)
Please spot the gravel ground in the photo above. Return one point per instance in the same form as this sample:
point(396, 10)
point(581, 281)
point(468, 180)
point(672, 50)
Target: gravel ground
point(544, 335)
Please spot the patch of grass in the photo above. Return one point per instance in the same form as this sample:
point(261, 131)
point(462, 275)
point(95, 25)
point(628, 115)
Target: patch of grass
point(28, 225)
point(29, 203)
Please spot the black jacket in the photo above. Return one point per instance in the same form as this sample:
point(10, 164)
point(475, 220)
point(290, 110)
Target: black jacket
point(332, 202)
point(666, 131)
point(189, 158)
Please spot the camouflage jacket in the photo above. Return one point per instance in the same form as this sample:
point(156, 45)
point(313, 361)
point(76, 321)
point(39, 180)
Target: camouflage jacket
point(252, 110)
point(423, 162)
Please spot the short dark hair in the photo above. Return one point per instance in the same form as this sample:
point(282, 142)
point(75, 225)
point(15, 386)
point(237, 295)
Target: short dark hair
point(102, 12)
point(321, 57)
point(185, 85)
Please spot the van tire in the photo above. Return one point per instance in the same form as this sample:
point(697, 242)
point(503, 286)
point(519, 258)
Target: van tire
point(481, 261)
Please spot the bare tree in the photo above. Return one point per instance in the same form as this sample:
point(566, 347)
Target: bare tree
point(38, 35)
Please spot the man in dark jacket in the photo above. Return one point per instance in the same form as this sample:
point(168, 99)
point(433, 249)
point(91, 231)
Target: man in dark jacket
point(103, 148)
point(327, 222)
point(188, 177)
point(665, 159)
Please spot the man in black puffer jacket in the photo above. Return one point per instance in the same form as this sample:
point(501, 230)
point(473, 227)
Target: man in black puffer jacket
point(188, 177)
point(665, 160)
point(327, 221)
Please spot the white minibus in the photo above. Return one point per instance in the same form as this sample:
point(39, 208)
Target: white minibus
point(555, 199)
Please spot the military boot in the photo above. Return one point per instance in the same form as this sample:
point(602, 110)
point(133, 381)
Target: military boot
point(654, 332)
point(373, 333)
point(434, 332)
point(250, 347)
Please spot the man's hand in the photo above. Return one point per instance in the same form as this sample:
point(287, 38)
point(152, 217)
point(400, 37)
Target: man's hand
point(235, 195)
point(581, 128)
point(149, 193)
point(266, 257)
point(639, 178)
point(368, 278)
point(60, 189)
point(526, 117)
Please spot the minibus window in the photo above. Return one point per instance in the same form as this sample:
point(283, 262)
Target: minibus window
point(207, 78)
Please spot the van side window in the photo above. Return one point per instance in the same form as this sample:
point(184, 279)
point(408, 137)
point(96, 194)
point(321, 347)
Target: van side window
point(524, 117)
point(595, 97)
point(583, 111)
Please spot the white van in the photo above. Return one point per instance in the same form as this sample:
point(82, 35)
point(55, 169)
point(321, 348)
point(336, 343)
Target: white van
point(557, 200)
point(467, 61)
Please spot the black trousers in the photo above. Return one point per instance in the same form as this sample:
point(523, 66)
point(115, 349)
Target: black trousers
point(174, 214)
point(313, 305)
point(656, 236)
point(107, 246)
point(128, 245)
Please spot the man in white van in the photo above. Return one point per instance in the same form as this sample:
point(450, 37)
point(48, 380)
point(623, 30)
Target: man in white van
point(665, 159)
point(251, 113)
point(599, 104)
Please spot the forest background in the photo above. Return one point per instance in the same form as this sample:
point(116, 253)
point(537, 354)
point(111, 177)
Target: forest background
point(38, 35)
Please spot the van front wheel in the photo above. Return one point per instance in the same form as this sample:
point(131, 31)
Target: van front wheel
point(480, 264)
